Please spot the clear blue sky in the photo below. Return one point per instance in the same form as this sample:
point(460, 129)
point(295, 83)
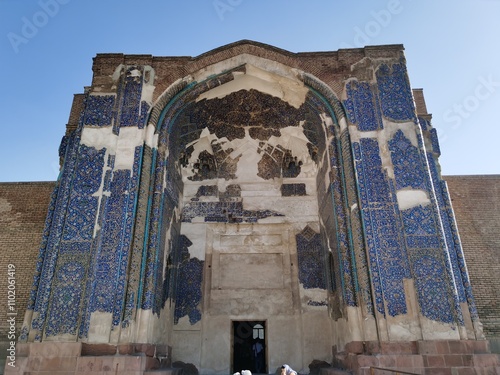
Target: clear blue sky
point(47, 46)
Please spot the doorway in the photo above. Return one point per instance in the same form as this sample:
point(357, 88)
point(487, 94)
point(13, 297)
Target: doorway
point(249, 346)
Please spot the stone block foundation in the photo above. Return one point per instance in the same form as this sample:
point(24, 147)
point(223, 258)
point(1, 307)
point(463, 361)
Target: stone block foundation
point(81, 359)
point(440, 357)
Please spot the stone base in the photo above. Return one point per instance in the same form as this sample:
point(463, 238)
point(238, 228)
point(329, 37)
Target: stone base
point(81, 359)
point(443, 357)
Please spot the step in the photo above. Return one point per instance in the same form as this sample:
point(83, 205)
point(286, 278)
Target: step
point(164, 371)
point(486, 360)
point(390, 371)
point(333, 371)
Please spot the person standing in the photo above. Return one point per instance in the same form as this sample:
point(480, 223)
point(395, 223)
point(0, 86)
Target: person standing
point(258, 353)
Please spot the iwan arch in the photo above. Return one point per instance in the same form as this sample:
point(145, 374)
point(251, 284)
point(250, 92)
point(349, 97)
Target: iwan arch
point(248, 191)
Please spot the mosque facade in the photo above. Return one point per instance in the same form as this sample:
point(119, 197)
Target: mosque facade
point(247, 195)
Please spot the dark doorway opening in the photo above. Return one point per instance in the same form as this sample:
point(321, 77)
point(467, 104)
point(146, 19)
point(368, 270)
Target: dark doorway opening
point(249, 346)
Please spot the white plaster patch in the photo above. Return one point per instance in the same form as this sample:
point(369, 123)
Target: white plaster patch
point(343, 124)
point(294, 139)
point(100, 327)
point(432, 330)
point(412, 198)
point(151, 138)
point(291, 91)
point(353, 322)
point(409, 130)
point(116, 74)
point(267, 65)
point(196, 233)
point(99, 138)
point(128, 139)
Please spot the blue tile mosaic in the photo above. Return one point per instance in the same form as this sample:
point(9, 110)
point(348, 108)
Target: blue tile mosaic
point(395, 93)
point(66, 297)
point(362, 106)
point(346, 265)
point(449, 245)
point(433, 295)
point(99, 110)
point(130, 92)
point(188, 285)
point(43, 246)
point(408, 167)
point(151, 288)
point(460, 259)
point(289, 190)
point(223, 212)
point(113, 252)
point(424, 124)
point(133, 299)
point(311, 257)
point(435, 142)
point(144, 112)
point(419, 220)
point(73, 249)
point(46, 262)
point(387, 258)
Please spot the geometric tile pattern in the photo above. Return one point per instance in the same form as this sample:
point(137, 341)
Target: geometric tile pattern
point(223, 212)
point(112, 253)
point(428, 265)
point(99, 110)
point(360, 270)
point(311, 259)
point(454, 249)
point(131, 90)
point(419, 221)
point(387, 257)
point(395, 94)
point(433, 294)
point(153, 273)
point(136, 273)
point(330, 237)
point(340, 222)
point(424, 124)
point(74, 248)
point(435, 142)
point(188, 285)
point(47, 259)
point(408, 166)
point(362, 106)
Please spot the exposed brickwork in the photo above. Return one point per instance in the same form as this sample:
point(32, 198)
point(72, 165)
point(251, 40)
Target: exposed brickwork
point(329, 67)
point(23, 207)
point(476, 201)
point(418, 95)
point(76, 110)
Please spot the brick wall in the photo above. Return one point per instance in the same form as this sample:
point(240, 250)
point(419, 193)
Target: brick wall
point(476, 201)
point(23, 207)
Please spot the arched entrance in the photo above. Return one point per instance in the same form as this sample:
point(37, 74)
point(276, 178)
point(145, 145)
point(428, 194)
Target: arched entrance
point(250, 200)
